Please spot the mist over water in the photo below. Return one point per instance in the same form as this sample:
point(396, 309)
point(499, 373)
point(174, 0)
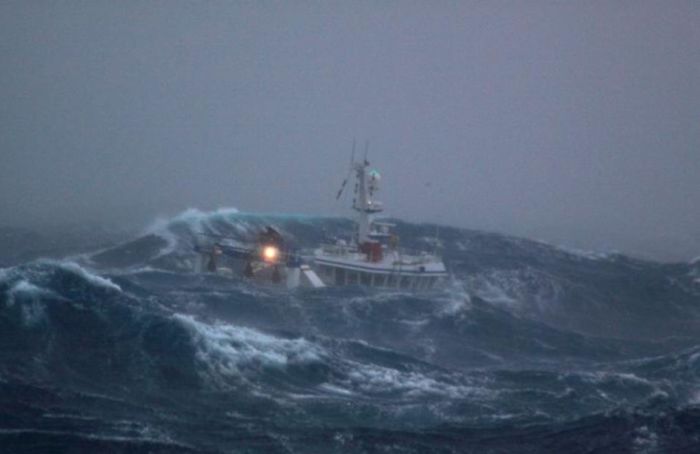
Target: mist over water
point(572, 123)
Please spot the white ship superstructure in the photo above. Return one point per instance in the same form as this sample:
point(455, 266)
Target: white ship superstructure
point(373, 257)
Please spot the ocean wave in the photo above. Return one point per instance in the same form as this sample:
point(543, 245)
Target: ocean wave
point(527, 346)
point(226, 350)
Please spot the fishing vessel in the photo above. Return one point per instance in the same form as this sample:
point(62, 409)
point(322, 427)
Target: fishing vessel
point(371, 258)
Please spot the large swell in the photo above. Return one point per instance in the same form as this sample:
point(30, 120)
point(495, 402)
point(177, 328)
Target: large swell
point(528, 348)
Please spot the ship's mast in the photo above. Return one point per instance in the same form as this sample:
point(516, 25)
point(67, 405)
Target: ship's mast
point(366, 185)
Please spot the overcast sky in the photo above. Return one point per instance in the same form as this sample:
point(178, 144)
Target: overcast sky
point(573, 122)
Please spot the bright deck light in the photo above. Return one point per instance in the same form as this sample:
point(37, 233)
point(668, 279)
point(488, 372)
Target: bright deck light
point(270, 253)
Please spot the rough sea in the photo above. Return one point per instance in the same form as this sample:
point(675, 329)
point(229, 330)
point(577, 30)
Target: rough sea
point(528, 348)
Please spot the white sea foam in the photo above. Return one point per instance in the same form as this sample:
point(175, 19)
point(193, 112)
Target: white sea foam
point(649, 389)
point(23, 287)
point(520, 289)
point(694, 357)
point(488, 289)
point(389, 296)
point(69, 416)
point(134, 432)
point(336, 389)
point(646, 440)
point(233, 351)
point(585, 254)
point(603, 376)
point(160, 229)
point(374, 379)
point(85, 274)
point(456, 301)
point(694, 397)
point(227, 349)
point(4, 274)
point(192, 217)
point(32, 309)
point(196, 221)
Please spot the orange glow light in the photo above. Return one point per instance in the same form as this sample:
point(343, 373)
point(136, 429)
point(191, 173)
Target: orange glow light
point(270, 253)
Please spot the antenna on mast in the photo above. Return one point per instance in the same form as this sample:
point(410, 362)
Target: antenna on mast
point(345, 181)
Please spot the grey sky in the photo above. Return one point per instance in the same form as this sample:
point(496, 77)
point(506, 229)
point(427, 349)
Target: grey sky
point(575, 122)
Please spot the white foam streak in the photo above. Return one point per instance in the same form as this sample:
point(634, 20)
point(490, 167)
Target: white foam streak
point(375, 379)
point(227, 349)
point(88, 276)
point(599, 377)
